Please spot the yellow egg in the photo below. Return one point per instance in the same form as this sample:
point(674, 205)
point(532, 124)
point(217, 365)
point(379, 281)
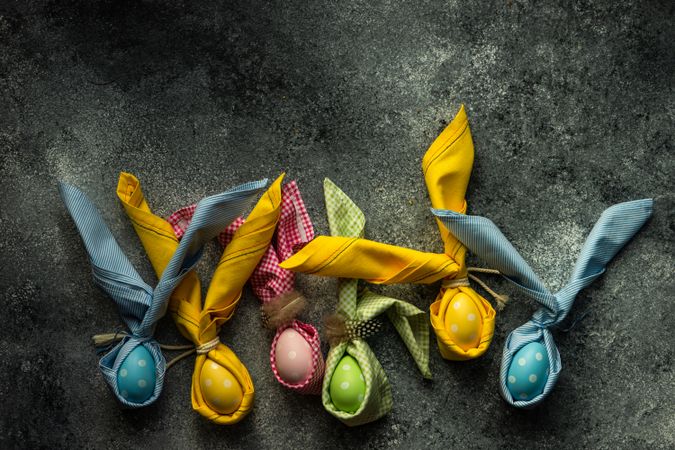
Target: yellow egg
point(463, 321)
point(220, 389)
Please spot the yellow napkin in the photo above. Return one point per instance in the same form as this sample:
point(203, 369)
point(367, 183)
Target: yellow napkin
point(447, 167)
point(201, 323)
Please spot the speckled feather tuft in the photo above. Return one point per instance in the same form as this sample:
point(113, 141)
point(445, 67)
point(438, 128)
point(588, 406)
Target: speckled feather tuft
point(339, 329)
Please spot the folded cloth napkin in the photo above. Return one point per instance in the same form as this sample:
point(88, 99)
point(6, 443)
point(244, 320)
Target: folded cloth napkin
point(301, 366)
point(134, 368)
point(222, 389)
point(531, 361)
point(462, 319)
point(350, 359)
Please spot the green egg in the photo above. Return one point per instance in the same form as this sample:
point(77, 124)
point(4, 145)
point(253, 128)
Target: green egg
point(347, 386)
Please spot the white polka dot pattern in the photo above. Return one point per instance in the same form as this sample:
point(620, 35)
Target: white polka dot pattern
point(140, 305)
point(269, 281)
point(346, 219)
point(616, 226)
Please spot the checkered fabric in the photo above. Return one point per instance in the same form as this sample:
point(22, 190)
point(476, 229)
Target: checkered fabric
point(140, 305)
point(269, 281)
point(616, 226)
point(346, 219)
point(180, 220)
point(295, 229)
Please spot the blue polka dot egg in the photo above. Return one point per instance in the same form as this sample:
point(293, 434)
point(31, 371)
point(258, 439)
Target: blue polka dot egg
point(136, 376)
point(528, 373)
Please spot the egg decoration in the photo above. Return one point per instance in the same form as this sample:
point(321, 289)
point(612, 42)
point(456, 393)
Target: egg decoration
point(528, 372)
point(220, 389)
point(463, 321)
point(293, 357)
point(347, 386)
point(136, 375)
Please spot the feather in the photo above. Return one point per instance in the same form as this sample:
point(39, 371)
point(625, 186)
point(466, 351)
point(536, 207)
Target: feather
point(282, 309)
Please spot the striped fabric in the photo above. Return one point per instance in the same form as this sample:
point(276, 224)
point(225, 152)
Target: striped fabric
point(140, 306)
point(199, 317)
point(616, 226)
point(346, 219)
point(295, 229)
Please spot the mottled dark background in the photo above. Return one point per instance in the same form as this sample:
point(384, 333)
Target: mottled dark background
point(571, 107)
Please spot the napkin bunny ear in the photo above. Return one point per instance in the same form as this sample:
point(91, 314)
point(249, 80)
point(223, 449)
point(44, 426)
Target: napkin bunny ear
point(354, 311)
point(344, 217)
point(294, 229)
point(114, 273)
point(447, 164)
point(274, 286)
point(410, 323)
point(615, 227)
point(484, 238)
point(111, 268)
point(141, 306)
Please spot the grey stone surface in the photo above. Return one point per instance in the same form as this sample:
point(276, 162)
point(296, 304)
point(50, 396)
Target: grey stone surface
point(571, 108)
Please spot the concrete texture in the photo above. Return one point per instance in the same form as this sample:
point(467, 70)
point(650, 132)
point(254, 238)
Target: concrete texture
point(571, 108)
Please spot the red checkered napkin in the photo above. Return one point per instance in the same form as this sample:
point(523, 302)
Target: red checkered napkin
point(269, 281)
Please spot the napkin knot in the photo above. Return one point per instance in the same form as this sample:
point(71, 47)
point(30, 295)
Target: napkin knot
point(545, 318)
point(207, 346)
point(541, 324)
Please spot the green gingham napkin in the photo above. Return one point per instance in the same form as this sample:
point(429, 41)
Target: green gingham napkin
point(346, 219)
